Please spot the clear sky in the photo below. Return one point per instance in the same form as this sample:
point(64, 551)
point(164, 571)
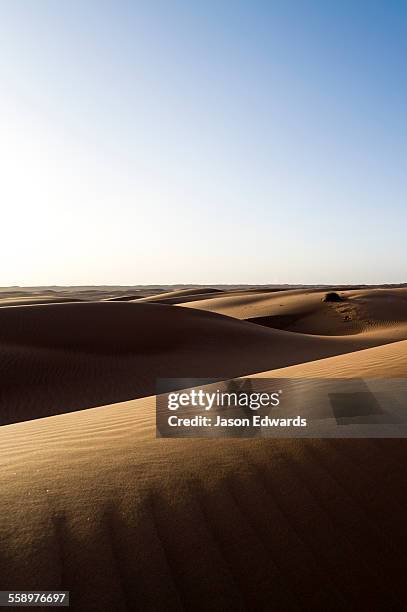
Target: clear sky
point(203, 142)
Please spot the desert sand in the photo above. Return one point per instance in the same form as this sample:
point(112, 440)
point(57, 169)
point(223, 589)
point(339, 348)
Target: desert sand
point(94, 503)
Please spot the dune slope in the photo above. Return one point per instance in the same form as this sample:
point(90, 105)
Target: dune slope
point(154, 524)
point(179, 295)
point(388, 361)
point(62, 357)
point(305, 311)
point(94, 503)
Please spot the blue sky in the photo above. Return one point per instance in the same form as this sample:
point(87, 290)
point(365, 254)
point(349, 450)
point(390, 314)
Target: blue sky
point(203, 142)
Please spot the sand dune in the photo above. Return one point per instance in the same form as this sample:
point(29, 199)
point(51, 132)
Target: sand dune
point(155, 524)
point(206, 293)
point(32, 300)
point(63, 357)
point(305, 311)
point(94, 503)
point(379, 362)
point(180, 295)
point(125, 298)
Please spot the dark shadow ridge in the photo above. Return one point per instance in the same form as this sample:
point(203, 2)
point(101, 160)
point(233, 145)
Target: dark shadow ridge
point(277, 321)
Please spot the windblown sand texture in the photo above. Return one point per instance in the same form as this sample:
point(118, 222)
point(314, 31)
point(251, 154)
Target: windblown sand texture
point(93, 503)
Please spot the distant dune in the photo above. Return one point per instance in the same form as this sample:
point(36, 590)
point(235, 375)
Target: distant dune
point(305, 311)
point(94, 503)
point(181, 295)
point(37, 299)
